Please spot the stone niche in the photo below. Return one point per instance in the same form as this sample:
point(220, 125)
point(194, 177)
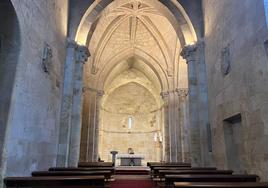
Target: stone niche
point(129, 119)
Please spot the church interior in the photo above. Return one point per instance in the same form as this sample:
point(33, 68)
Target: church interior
point(133, 93)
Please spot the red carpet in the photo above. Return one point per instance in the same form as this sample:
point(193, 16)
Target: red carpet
point(132, 184)
point(132, 172)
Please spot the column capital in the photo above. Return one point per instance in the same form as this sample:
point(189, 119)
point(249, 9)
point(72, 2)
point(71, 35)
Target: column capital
point(164, 95)
point(82, 54)
point(85, 89)
point(188, 52)
point(100, 93)
point(182, 92)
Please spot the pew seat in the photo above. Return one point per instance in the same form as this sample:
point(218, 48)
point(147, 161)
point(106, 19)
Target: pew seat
point(56, 181)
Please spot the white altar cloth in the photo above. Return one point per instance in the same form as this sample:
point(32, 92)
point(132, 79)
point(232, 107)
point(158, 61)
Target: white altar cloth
point(119, 156)
point(130, 159)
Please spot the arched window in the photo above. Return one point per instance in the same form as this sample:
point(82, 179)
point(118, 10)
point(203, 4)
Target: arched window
point(266, 10)
point(129, 122)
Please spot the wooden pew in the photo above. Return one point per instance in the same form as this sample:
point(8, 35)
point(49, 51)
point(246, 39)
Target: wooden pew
point(98, 168)
point(162, 173)
point(149, 164)
point(184, 168)
point(56, 182)
point(95, 164)
point(220, 184)
point(153, 166)
point(155, 171)
point(106, 174)
point(170, 179)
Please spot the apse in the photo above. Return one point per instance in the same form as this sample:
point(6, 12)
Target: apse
point(131, 112)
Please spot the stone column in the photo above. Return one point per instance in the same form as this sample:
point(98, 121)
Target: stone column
point(184, 152)
point(82, 54)
point(189, 53)
point(66, 104)
point(99, 96)
point(173, 127)
point(165, 97)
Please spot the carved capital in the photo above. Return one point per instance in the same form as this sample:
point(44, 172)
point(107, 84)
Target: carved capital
point(182, 92)
point(85, 89)
point(100, 93)
point(164, 95)
point(189, 53)
point(82, 54)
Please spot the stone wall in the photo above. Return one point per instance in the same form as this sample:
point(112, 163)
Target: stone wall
point(32, 127)
point(236, 62)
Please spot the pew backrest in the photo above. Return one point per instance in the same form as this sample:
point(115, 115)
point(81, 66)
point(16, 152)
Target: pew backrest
point(107, 174)
point(170, 179)
point(167, 163)
point(98, 168)
point(162, 173)
point(95, 164)
point(155, 171)
point(220, 184)
point(54, 181)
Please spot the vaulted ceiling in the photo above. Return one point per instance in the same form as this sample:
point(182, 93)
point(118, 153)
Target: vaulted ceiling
point(133, 30)
point(133, 26)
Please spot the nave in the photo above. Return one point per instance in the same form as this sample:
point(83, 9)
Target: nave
point(179, 85)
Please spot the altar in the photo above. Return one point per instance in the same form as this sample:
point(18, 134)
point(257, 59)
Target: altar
point(130, 159)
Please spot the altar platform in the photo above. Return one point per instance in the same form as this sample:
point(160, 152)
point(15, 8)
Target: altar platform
point(132, 170)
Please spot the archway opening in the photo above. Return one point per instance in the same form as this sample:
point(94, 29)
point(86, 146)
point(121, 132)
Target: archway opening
point(124, 32)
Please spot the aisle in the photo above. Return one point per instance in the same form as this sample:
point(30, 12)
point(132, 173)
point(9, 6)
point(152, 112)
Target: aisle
point(132, 181)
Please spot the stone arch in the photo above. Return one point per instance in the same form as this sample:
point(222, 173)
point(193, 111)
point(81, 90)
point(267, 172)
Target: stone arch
point(153, 86)
point(10, 43)
point(150, 26)
point(130, 81)
point(184, 32)
point(90, 19)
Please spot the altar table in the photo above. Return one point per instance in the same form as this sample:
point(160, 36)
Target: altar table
point(130, 159)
